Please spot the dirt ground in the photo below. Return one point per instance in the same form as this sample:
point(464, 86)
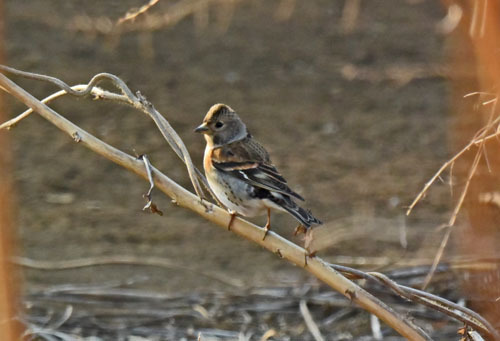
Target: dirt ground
point(357, 122)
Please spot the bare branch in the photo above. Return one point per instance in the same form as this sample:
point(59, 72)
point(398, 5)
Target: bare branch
point(463, 314)
point(139, 102)
point(184, 198)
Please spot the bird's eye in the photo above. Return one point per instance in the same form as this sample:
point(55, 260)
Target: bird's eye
point(219, 125)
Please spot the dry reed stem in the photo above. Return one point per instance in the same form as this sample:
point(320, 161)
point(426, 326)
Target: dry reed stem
point(120, 260)
point(144, 20)
point(308, 319)
point(350, 14)
point(483, 32)
point(478, 141)
point(437, 257)
point(175, 13)
point(274, 243)
point(456, 311)
point(132, 14)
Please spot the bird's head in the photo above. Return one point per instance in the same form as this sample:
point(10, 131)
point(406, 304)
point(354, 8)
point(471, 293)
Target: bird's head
point(222, 125)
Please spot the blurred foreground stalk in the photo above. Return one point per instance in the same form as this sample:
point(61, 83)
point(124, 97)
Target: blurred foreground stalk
point(9, 329)
point(475, 64)
point(8, 293)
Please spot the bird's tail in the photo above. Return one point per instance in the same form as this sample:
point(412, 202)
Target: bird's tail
point(304, 216)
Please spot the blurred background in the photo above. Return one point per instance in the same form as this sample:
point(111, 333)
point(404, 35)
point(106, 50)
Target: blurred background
point(350, 97)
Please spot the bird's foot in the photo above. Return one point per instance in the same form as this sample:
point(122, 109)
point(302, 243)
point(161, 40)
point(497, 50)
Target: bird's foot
point(267, 228)
point(309, 254)
point(307, 244)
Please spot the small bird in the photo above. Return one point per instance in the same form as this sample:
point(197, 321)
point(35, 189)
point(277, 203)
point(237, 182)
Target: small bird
point(240, 173)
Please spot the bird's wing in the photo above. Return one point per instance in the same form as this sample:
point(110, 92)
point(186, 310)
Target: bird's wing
point(249, 161)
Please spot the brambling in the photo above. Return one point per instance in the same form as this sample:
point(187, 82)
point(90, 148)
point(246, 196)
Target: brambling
point(240, 172)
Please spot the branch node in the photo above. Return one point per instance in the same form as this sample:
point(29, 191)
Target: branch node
point(278, 253)
point(208, 207)
point(76, 137)
point(148, 196)
point(142, 99)
point(350, 294)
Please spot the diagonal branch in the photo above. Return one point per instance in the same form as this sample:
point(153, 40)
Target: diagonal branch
point(274, 243)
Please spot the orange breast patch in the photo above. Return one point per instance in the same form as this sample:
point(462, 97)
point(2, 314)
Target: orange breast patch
point(207, 160)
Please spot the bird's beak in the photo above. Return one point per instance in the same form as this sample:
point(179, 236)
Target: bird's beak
point(201, 128)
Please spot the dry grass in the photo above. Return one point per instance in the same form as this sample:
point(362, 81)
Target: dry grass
point(112, 310)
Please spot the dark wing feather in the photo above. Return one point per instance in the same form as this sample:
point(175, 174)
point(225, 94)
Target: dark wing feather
point(249, 161)
point(304, 216)
point(258, 177)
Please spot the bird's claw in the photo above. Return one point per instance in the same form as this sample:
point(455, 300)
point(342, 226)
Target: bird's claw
point(267, 228)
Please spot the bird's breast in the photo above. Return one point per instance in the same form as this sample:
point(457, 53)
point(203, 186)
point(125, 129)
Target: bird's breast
point(207, 160)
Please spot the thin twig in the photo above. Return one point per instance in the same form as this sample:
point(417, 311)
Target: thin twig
point(461, 313)
point(150, 205)
point(478, 140)
point(98, 94)
point(118, 260)
point(138, 102)
point(133, 14)
point(375, 326)
point(461, 199)
point(437, 257)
